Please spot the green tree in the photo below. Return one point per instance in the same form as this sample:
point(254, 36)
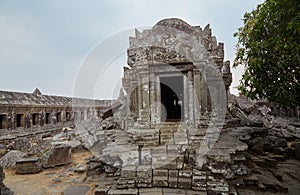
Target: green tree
point(269, 48)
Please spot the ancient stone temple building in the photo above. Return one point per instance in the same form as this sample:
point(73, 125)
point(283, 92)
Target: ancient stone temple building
point(175, 72)
point(35, 110)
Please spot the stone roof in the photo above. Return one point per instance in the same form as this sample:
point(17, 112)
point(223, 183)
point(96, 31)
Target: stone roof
point(175, 23)
point(38, 99)
point(173, 40)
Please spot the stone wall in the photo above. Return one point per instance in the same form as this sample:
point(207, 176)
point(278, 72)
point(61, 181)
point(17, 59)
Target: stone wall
point(25, 110)
point(173, 48)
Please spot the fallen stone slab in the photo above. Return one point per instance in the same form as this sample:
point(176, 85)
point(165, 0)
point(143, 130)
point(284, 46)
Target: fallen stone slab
point(123, 192)
point(268, 182)
point(59, 154)
point(81, 168)
point(160, 181)
point(192, 192)
point(80, 189)
point(150, 191)
point(169, 191)
point(101, 190)
point(9, 159)
point(75, 144)
point(251, 180)
point(246, 192)
point(28, 165)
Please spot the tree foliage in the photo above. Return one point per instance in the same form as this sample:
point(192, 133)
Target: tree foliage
point(269, 48)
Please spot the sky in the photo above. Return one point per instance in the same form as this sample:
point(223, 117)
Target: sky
point(45, 44)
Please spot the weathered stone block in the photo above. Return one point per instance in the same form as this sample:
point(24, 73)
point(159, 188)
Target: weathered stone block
point(173, 182)
point(185, 173)
point(169, 191)
point(128, 172)
point(28, 165)
point(80, 168)
point(191, 192)
point(144, 183)
point(174, 149)
point(150, 191)
point(126, 183)
point(9, 159)
point(144, 171)
point(101, 191)
point(217, 184)
point(58, 155)
point(168, 164)
point(144, 176)
point(123, 192)
point(160, 181)
point(199, 180)
point(160, 172)
point(173, 178)
point(159, 151)
point(251, 180)
point(179, 162)
point(185, 183)
point(173, 173)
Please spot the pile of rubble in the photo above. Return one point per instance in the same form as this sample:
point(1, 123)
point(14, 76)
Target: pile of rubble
point(31, 154)
point(259, 153)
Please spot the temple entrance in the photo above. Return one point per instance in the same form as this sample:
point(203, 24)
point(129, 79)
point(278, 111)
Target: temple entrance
point(20, 120)
point(172, 98)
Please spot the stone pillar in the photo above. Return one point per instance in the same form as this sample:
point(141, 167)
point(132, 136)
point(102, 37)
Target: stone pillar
point(203, 94)
point(185, 98)
point(13, 120)
point(191, 119)
point(158, 100)
point(197, 94)
point(140, 97)
point(145, 115)
point(152, 98)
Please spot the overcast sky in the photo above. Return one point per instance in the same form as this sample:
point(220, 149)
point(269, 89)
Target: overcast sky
point(43, 44)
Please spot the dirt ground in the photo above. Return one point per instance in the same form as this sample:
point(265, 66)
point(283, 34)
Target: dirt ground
point(58, 180)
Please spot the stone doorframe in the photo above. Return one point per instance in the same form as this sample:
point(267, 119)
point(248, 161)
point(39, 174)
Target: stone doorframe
point(188, 95)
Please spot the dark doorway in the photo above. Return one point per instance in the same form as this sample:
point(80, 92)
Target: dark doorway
point(20, 120)
point(48, 118)
point(172, 97)
point(2, 121)
point(58, 117)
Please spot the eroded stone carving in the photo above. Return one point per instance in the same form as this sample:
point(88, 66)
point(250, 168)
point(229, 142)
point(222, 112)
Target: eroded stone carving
point(173, 48)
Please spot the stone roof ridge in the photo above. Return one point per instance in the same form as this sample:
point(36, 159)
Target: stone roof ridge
point(37, 98)
point(174, 22)
point(164, 32)
point(37, 92)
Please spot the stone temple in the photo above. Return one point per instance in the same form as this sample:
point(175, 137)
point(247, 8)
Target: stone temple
point(174, 72)
point(174, 129)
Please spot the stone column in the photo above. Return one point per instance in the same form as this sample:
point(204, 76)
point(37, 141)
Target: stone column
point(140, 97)
point(185, 98)
point(145, 115)
point(197, 94)
point(157, 100)
point(190, 86)
point(152, 100)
